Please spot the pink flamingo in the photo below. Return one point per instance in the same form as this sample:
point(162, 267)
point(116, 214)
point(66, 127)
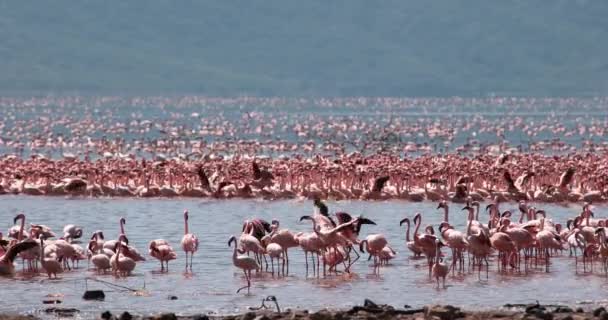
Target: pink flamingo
point(410, 244)
point(50, 265)
point(244, 263)
point(161, 250)
point(6, 259)
point(426, 242)
point(189, 241)
point(440, 269)
point(375, 243)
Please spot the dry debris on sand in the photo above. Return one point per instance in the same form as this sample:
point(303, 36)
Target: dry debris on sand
point(371, 311)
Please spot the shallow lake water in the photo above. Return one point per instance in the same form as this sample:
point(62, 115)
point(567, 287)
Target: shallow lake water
point(212, 286)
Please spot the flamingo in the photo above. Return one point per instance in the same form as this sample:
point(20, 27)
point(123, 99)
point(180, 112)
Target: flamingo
point(546, 240)
point(6, 258)
point(249, 243)
point(275, 251)
point(71, 232)
point(30, 255)
point(189, 241)
point(244, 263)
point(122, 264)
point(310, 243)
point(284, 238)
point(161, 250)
point(440, 269)
point(50, 265)
point(505, 246)
point(375, 243)
point(479, 244)
point(456, 240)
point(100, 260)
point(426, 242)
point(411, 245)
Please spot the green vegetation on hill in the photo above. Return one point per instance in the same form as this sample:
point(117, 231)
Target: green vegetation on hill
point(314, 47)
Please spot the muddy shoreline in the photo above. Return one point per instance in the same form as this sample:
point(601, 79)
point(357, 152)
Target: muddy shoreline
point(368, 311)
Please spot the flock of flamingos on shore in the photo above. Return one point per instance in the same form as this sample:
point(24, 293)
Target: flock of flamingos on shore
point(514, 244)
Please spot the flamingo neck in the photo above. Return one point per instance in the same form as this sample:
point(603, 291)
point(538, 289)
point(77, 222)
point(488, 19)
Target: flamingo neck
point(470, 223)
point(477, 213)
point(185, 226)
point(122, 227)
point(417, 228)
point(234, 254)
point(407, 232)
point(445, 214)
point(20, 236)
point(437, 254)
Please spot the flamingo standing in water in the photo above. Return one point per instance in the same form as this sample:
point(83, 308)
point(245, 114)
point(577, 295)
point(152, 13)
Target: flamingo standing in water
point(426, 242)
point(244, 263)
point(161, 250)
point(189, 241)
point(410, 244)
point(284, 238)
point(50, 265)
point(6, 258)
point(440, 269)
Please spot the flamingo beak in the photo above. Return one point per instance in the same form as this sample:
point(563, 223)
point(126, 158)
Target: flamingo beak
point(366, 221)
point(466, 208)
point(305, 218)
point(402, 221)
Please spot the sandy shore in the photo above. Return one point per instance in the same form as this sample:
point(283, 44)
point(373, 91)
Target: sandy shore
point(369, 311)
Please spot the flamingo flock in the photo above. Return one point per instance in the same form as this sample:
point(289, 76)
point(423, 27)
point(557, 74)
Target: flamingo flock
point(116, 255)
point(514, 241)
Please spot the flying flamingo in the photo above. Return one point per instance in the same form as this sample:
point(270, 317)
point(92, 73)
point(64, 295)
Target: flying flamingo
point(244, 263)
point(189, 241)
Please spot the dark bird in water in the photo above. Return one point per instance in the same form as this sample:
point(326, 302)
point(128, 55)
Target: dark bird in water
point(566, 178)
point(75, 185)
point(464, 179)
point(523, 179)
point(379, 183)
point(260, 227)
point(202, 176)
point(511, 188)
point(501, 159)
point(261, 174)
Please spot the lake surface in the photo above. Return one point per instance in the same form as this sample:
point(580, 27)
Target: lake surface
point(212, 286)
